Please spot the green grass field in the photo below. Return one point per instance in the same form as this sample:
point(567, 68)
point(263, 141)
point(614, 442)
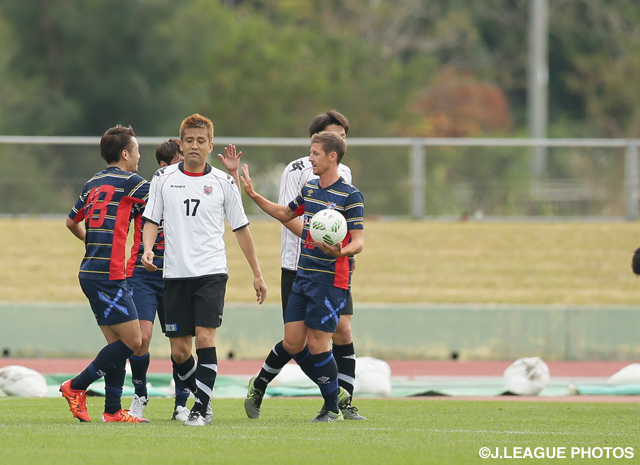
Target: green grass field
point(403, 262)
point(409, 431)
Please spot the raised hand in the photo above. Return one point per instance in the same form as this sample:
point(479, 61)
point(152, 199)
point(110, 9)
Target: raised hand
point(231, 158)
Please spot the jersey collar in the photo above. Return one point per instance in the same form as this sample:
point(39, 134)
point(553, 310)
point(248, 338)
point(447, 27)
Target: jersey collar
point(207, 170)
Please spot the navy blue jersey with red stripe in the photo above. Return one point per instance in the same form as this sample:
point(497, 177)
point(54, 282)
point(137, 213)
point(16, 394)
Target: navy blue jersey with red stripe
point(108, 202)
point(135, 267)
point(313, 263)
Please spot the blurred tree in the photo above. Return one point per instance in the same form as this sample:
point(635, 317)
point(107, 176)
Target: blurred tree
point(599, 42)
point(456, 105)
point(263, 67)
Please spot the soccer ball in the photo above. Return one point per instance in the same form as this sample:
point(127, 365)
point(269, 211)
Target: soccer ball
point(329, 226)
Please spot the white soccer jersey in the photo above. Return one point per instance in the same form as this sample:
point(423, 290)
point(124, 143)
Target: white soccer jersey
point(194, 210)
point(294, 177)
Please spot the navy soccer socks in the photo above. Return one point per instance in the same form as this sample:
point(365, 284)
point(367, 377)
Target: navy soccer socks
point(113, 382)
point(112, 356)
point(327, 379)
point(305, 362)
point(181, 391)
point(139, 368)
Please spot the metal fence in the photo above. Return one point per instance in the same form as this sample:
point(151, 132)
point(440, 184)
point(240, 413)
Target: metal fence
point(418, 178)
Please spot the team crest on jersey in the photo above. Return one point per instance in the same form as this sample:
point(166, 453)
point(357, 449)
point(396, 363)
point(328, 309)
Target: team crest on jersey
point(298, 165)
point(208, 189)
point(331, 205)
point(309, 192)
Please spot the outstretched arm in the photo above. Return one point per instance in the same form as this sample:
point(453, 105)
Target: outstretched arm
point(281, 213)
point(295, 226)
point(245, 240)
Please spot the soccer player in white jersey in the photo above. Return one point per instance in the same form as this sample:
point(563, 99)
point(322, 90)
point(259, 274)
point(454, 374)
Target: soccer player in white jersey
point(194, 199)
point(295, 175)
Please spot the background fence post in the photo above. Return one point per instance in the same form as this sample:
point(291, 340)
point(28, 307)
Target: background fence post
point(418, 181)
point(631, 179)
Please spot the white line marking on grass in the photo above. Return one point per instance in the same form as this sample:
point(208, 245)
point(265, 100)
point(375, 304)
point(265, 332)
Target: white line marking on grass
point(551, 433)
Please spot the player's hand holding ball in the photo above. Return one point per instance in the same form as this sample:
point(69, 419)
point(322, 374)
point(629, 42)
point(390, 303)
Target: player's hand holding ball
point(328, 228)
point(333, 250)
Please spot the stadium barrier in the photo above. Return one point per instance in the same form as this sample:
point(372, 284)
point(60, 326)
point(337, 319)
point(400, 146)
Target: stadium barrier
point(420, 178)
point(437, 332)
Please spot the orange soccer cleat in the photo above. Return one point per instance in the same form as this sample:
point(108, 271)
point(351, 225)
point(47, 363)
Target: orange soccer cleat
point(122, 416)
point(77, 401)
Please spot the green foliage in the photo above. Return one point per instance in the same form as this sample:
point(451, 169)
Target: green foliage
point(266, 68)
point(80, 66)
point(259, 68)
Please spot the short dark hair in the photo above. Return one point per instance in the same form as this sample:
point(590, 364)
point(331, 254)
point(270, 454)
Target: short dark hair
point(114, 141)
point(168, 150)
point(331, 142)
point(197, 121)
point(321, 122)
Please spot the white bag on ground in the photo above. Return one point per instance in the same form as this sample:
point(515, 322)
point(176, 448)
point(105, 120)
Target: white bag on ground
point(526, 376)
point(292, 376)
point(22, 382)
point(627, 375)
point(373, 376)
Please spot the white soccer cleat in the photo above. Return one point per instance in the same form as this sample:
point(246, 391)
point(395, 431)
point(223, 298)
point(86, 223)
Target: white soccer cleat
point(138, 404)
point(196, 418)
point(181, 414)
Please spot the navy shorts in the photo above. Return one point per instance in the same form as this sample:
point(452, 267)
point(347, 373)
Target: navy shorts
point(286, 283)
point(147, 296)
point(110, 301)
point(193, 302)
point(318, 305)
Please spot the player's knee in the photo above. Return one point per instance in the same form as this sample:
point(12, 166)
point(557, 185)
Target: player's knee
point(343, 334)
point(293, 346)
point(318, 346)
point(342, 339)
point(145, 343)
point(134, 343)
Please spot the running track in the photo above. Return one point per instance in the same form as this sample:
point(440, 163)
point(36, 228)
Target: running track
point(406, 368)
point(411, 368)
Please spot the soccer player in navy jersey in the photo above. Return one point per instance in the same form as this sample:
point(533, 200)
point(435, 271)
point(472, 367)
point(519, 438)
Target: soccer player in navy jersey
point(147, 295)
point(321, 287)
point(101, 219)
point(294, 176)
point(194, 199)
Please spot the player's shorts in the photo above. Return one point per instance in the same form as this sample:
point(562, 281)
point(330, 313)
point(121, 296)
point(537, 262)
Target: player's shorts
point(110, 301)
point(318, 305)
point(193, 302)
point(286, 283)
point(147, 295)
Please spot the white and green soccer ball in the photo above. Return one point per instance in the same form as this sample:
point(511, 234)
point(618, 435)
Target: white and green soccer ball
point(328, 226)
